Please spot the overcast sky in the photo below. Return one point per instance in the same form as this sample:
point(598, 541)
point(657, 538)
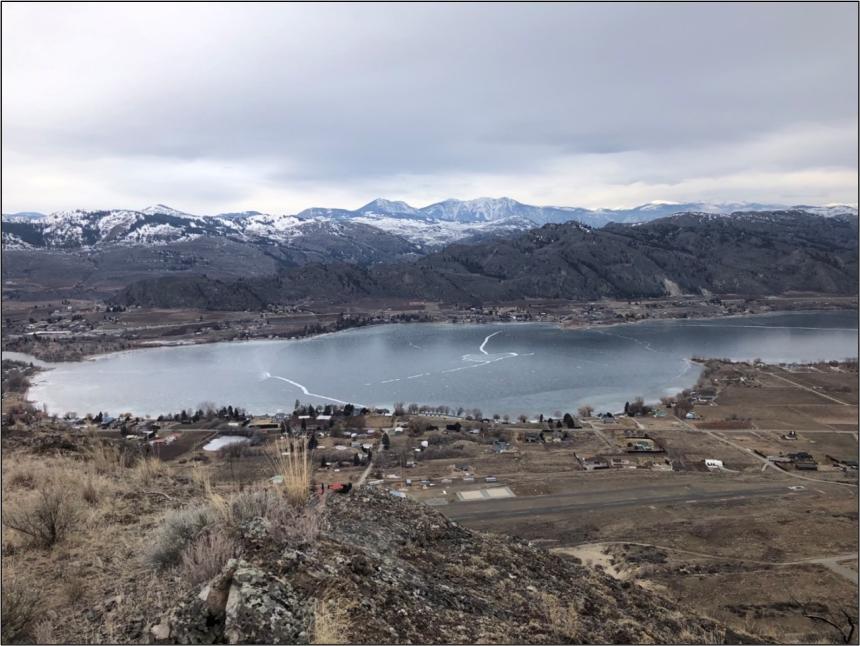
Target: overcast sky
point(275, 107)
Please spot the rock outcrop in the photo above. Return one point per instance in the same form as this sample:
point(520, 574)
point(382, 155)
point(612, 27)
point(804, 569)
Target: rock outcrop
point(395, 571)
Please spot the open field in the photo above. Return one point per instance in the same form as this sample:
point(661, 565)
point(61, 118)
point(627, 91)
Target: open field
point(779, 540)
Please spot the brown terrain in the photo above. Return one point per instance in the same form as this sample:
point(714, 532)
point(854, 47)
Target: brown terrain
point(763, 544)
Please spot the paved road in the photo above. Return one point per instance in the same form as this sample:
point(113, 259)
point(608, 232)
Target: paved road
point(642, 496)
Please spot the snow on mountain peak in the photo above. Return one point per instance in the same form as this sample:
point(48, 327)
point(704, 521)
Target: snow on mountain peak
point(163, 209)
point(389, 207)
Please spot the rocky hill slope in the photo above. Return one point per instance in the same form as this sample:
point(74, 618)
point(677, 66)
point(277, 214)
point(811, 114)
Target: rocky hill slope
point(402, 573)
point(146, 551)
point(746, 253)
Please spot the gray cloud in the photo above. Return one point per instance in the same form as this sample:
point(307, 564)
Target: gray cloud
point(270, 106)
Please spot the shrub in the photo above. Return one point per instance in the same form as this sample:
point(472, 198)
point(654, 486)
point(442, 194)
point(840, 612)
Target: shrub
point(207, 555)
point(256, 503)
point(46, 517)
point(179, 529)
point(286, 523)
point(20, 607)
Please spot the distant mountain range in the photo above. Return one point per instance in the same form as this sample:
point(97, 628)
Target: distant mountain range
point(419, 229)
point(96, 253)
point(749, 253)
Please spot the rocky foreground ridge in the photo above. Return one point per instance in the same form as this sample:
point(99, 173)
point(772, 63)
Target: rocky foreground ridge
point(396, 571)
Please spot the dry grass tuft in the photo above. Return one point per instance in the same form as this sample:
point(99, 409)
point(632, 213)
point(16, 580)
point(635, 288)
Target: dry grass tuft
point(562, 618)
point(285, 522)
point(22, 480)
point(207, 555)
point(148, 470)
point(90, 491)
point(331, 621)
point(295, 468)
point(107, 458)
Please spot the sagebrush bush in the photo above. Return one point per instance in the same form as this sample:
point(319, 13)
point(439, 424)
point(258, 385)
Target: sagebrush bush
point(19, 609)
point(47, 516)
point(179, 529)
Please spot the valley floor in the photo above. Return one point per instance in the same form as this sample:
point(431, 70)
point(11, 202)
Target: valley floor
point(758, 544)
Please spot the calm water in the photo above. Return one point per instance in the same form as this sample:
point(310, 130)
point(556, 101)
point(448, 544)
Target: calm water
point(499, 368)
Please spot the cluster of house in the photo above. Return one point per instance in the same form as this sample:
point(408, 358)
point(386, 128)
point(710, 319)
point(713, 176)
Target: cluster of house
point(640, 442)
point(801, 460)
point(598, 462)
point(554, 435)
point(845, 465)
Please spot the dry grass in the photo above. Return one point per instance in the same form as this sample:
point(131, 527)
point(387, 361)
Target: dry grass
point(148, 470)
point(296, 526)
point(207, 555)
point(295, 468)
point(108, 458)
point(21, 480)
point(90, 491)
point(47, 516)
point(285, 522)
point(331, 621)
point(564, 619)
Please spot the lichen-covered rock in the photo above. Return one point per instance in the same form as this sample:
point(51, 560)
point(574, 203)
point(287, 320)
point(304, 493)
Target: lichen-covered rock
point(392, 571)
point(263, 609)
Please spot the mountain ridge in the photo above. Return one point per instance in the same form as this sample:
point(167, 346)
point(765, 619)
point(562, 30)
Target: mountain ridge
point(428, 227)
point(765, 253)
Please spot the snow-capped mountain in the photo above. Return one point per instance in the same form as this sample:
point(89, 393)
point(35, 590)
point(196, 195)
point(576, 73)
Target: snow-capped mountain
point(163, 209)
point(417, 229)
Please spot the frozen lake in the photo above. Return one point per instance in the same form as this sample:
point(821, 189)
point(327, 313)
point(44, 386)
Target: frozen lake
point(526, 368)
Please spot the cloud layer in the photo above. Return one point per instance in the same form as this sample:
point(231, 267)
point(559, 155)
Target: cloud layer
point(214, 107)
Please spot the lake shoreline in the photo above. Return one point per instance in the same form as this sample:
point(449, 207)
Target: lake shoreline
point(562, 325)
point(253, 365)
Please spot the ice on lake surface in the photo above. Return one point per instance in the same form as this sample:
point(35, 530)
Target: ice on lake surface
point(514, 368)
